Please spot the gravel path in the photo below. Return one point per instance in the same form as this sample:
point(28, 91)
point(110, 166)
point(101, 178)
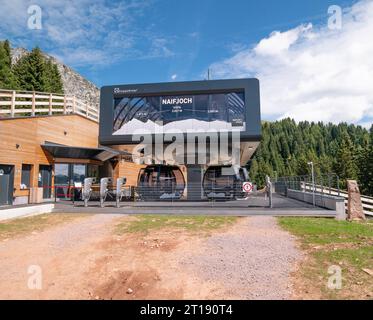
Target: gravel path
point(253, 260)
point(82, 258)
point(55, 250)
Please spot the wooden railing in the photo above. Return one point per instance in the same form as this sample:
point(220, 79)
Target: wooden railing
point(26, 104)
point(367, 202)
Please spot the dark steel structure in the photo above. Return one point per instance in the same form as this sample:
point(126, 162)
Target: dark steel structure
point(225, 108)
point(233, 101)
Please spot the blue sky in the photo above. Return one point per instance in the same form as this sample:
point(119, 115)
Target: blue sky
point(201, 32)
point(120, 42)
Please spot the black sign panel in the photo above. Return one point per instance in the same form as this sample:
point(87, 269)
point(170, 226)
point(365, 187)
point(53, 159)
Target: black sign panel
point(158, 108)
point(185, 112)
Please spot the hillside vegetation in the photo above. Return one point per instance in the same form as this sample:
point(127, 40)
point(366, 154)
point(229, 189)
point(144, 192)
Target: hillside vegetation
point(33, 72)
point(286, 147)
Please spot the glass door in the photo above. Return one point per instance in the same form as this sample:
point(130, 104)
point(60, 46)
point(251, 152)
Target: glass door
point(62, 180)
point(78, 175)
point(69, 179)
point(45, 180)
point(6, 184)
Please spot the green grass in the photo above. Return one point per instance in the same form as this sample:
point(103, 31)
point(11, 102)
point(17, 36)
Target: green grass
point(23, 226)
point(324, 231)
point(146, 223)
point(331, 242)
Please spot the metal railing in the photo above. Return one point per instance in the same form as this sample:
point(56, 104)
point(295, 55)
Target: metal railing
point(25, 104)
point(139, 196)
point(92, 192)
point(327, 183)
point(324, 185)
point(367, 202)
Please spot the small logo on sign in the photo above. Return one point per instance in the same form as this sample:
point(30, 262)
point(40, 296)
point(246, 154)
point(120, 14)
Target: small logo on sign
point(118, 90)
point(247, 187)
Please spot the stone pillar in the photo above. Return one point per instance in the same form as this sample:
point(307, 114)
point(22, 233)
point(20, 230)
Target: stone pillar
point(355, 207)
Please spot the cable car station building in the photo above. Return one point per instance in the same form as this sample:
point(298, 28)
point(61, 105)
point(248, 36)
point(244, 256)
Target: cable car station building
point(190, 140)
point(186, 140)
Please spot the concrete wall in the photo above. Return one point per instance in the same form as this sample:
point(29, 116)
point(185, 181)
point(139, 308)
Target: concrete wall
point(20, 212)
point(323, 201)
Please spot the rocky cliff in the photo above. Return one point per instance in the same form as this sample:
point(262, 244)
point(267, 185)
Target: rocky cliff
point(74, 84)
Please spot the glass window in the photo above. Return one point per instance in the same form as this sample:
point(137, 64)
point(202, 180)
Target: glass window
point(26, 176)
point(61, 174)
point(93, 171)
point(79, 172)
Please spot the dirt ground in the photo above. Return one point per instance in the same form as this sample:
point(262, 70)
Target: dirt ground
point(85, 259)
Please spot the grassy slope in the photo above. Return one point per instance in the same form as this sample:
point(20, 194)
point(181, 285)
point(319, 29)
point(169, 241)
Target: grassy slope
point(330, 242)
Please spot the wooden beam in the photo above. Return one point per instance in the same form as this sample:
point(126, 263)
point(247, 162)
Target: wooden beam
point(73, 160)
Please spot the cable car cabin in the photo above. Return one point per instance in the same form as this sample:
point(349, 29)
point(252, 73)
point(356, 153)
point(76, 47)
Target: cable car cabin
point(161, 182)
point(224, 182)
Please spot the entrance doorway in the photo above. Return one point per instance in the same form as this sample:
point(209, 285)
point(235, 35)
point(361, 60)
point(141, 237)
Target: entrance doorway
point(66, 176)
point(6, 184)
point(45, 180)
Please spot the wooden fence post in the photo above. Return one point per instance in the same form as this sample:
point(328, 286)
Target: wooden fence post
point(33, 104)
point(50, 104)
point(64, 105)
point(13, 105)
point(74, 106)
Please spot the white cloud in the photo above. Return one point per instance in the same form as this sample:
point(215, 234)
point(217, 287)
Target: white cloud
point(82, 32)
point(174, 77)
point(310, 73)
point(159, 48)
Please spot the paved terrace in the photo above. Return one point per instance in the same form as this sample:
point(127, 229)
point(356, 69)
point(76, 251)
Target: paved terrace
point(282, 206)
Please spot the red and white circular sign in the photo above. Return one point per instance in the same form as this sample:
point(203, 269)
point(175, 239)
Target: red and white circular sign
point(247, 187)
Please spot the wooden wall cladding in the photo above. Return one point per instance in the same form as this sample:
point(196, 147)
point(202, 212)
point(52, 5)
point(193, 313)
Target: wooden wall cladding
point(128, 170)
point(20, 140)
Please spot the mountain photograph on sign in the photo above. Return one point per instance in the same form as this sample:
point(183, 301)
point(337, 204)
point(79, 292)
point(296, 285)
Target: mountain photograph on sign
point(164, 114)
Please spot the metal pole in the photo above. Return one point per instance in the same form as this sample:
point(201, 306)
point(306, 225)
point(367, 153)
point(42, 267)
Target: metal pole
point(313, 182)
point(73, 196)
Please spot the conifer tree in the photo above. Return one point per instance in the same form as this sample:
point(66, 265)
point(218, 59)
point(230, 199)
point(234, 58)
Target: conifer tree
point(8, 51)
point(345, 165)
point(7, 78)
point(366, 167)
point(52, 78)
point(30, 71)
point(37, 73)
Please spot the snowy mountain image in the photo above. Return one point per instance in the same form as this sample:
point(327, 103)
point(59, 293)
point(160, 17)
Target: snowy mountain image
point(188, 125)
